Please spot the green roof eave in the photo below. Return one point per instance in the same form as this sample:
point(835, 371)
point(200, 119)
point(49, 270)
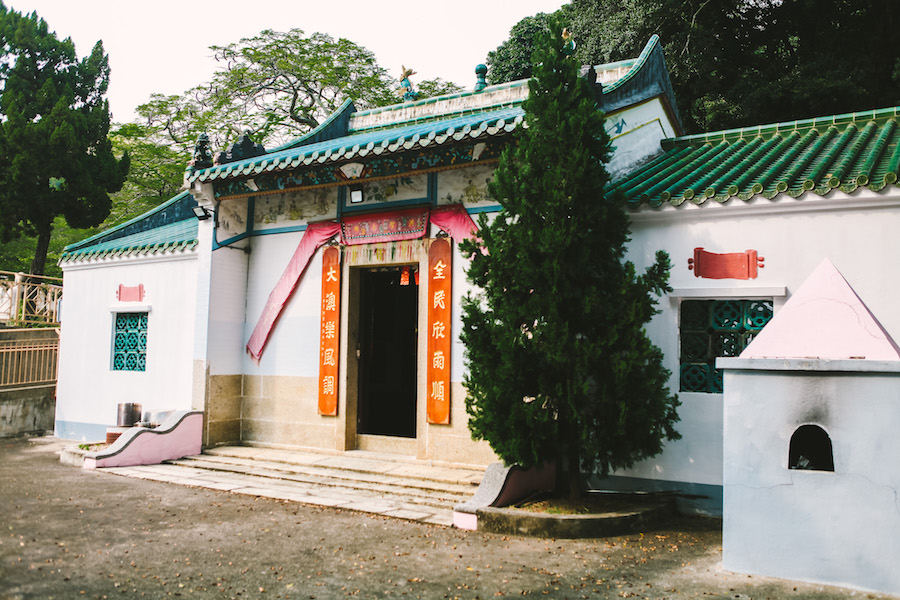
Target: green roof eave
point(174, 237)
point(112, 230)
point(437, 120)
point(376, 141)
point(845, 152)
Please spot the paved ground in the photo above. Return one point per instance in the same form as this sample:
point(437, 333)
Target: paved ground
point(366, 482)
point(69, 533)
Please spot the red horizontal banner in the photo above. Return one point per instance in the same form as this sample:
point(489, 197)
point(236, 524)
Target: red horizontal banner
point(408, 224)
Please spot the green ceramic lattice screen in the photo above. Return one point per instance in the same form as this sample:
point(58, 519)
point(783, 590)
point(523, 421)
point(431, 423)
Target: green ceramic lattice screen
point(130, 342)
point(713, 328)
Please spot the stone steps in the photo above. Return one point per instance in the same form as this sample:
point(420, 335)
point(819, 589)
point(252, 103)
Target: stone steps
point(334, 478)
point(388, 485)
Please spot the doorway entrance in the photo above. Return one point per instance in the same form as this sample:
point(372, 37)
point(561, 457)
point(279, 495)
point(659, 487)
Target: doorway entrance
point(387, 351)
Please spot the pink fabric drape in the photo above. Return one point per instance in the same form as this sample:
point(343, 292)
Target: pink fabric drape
point(451, 218)
point(454, 219)
point(315, 236)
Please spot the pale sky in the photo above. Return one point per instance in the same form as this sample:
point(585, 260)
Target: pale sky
point(163, 45)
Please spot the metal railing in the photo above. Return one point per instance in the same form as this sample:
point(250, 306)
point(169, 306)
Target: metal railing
point(28, 357)
point(29, 299)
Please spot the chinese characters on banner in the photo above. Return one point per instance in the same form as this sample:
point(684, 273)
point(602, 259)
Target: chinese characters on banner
point(330, 331)
point(439, 303)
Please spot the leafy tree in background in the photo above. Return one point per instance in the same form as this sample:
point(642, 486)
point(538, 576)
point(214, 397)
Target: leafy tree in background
point(820, 57)
point(511, 60)
point(437, 87)
point(156, 175)
point(737, 63)
point(17, 254)
point(560, 367)
point(277, 85)
point(55, 157)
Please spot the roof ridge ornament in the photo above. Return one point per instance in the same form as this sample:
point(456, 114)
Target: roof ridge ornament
point(202, 158)
point(569, 39)
point(406, 89)
point(243, 148)
point(480, 77)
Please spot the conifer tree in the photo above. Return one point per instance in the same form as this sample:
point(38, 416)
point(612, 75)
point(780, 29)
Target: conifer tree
point(55, 156)
point(560, 368)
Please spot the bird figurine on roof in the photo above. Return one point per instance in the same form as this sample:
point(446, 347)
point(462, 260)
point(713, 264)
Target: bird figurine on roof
point(203, 157)
point(569, 39)
point(406, 89)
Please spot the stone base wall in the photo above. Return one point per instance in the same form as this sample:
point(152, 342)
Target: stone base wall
point(223, 410)
point(283, 411)
point(27, 411)
point(453, 443)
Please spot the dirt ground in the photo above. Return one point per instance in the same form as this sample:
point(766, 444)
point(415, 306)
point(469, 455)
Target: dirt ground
point(70, 533)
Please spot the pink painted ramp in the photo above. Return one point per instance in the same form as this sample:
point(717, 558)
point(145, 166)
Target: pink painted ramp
point(824, 319)
point(179, 435)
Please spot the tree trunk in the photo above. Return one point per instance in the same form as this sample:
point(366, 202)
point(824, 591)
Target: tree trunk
point(574, 469)
point(568, 466)
point(40, 253)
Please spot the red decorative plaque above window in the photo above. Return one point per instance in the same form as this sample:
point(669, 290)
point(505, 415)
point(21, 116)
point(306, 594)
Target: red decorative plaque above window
point(734, 265)
point(134, 293)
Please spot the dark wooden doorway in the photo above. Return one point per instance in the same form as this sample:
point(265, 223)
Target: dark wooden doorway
point(387, 352)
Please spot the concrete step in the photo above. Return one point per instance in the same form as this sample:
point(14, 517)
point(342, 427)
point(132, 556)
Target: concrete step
point(388, 485)
point(330, 477)
point(360, 462)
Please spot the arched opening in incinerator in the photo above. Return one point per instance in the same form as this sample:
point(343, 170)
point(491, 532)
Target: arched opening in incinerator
point(811, 450)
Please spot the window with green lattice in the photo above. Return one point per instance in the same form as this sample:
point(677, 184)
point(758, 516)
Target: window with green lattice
point(130, 342)
point(713, 328)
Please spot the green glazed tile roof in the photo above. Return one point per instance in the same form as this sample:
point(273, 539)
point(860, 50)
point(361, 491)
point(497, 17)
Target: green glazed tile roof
point(819, 155)
point(376, 142)
point(179, 236)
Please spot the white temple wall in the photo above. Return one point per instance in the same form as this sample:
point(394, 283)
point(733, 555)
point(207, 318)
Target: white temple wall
point(856, 232)
point(280, 394)
point(635, 134)
point(89, 390)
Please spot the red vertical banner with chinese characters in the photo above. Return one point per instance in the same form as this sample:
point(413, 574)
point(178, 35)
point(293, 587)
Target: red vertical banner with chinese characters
point(330, 332)
point(439, 303)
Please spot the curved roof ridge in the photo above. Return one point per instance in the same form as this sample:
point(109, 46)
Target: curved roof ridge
point(343, 111)
point(425, 101)
point(639, 62)
point(786, 126)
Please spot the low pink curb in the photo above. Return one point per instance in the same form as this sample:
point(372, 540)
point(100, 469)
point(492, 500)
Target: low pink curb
point(179, 435)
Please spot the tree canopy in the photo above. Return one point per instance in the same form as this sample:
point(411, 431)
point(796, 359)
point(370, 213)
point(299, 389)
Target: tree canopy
point(277, 86)
point(55, 156)
point(511, 60)
point(737, 63)
point(560, 368)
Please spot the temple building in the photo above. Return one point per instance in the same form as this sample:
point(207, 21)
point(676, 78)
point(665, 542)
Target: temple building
point(308, 296)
